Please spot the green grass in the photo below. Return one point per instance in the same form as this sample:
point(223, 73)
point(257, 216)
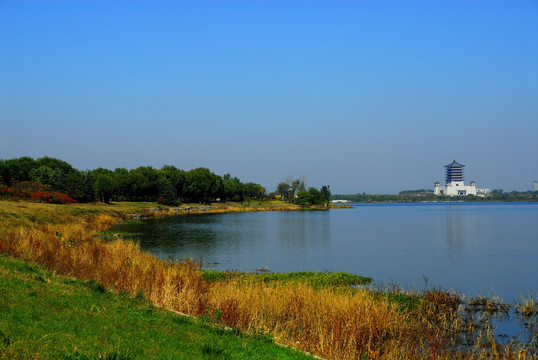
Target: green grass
point(316, 279)
point(51, 317)
point(403, 302)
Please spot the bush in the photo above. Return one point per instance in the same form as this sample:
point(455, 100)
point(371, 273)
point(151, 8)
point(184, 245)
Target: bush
point(4, 190)
point(25, 189)
point(52, 197)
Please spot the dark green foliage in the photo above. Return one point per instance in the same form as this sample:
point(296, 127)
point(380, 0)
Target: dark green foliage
point(202, 186)
point(232, 188)
point(418, 192)
point(167, 193)
point(105, 186)
point(145, 183)
point(74, 187)
point(254, 191)
point(176, 177)
point(17, 169)
point(211, 349)
point(4, 339)
point(326, 193)
point(311, 197)
point(95, 286)
point(141, 184)
point(53, 172)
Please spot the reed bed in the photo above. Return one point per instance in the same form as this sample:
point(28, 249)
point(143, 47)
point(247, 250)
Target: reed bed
point(331, 322)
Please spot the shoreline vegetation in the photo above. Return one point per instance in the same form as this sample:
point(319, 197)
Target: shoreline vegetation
point(319, 313)
point(410, 196)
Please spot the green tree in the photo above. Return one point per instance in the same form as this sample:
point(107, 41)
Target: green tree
point(123, 189)
point(42, 174)
point(55, 172)
point(176, 177)
point(18, 169)
point(283, 189)
point(167, 193)
point(233, 189)
point(254, 191)
point(75, 187)
point(105, 186)
point(326, 193)
point(202, 186)
point(145, 183)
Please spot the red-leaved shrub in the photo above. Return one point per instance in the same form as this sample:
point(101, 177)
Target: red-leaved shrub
point(52, 197)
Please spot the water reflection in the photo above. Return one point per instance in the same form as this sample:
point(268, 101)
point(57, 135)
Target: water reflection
point(301, 231)
point(455, 235)
point(288, 241)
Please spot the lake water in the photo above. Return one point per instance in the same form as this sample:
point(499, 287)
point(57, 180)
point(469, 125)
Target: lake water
point(475, 248)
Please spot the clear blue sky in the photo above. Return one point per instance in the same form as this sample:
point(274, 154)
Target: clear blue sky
point(366, 96)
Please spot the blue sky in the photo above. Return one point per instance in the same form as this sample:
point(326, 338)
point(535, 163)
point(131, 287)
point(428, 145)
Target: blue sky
point(365, 96)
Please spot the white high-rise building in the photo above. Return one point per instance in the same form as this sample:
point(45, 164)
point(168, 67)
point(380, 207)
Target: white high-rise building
point(455, 185)
point(535, 186)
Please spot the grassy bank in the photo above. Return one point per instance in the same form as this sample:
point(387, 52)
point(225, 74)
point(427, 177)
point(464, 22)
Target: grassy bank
point(319, 316)
point(48, 316)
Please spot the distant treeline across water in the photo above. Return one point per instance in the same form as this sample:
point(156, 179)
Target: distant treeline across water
point(425, 195)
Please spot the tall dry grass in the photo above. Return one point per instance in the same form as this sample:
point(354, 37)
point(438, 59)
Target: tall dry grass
point(332, 323)
point(71, 250)
point(336, 325)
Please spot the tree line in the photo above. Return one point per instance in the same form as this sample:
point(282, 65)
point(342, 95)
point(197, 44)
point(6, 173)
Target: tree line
point(427, 195)
point(168, 185)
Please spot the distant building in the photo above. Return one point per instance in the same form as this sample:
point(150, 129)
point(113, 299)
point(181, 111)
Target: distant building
point(535, 185)
point(455, 185)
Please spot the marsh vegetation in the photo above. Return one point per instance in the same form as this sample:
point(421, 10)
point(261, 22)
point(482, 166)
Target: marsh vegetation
point(316, 313)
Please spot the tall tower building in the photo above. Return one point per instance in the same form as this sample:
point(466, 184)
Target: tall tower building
point(454, 172)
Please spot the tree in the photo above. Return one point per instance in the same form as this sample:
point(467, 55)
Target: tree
point(283, 189)
point(53, 172)
point(311, 197)
point(254, 191)
point(42, 174)
point(289, 188)
point(167, 193)
point(124, 188)
point(326, 193)
point(201, 185)
point(145, 183)
point(233, 189)
point(75, 187)
point(176, 178)
point(18, 169)
point(105, 187)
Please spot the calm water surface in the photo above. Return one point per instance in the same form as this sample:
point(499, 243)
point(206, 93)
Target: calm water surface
point(487, 249)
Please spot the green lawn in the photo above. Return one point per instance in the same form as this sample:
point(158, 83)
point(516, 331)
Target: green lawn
point(47, 316)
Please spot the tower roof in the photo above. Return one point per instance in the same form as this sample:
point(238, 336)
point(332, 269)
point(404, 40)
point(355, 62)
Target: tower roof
point(454, 164)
